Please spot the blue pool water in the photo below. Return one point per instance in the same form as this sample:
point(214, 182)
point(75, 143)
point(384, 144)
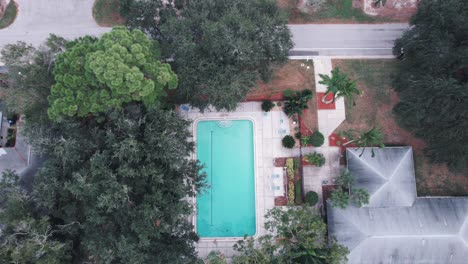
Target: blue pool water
point(226, 208)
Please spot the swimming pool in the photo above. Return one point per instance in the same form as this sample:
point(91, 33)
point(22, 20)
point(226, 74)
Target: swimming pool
point(227, 206)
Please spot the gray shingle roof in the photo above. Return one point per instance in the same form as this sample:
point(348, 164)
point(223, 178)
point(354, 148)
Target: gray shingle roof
point(388, 177)
point(398, 227)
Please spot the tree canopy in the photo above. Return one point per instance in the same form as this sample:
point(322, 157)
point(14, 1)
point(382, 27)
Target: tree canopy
point(433, 80)
point(346, 193)
point(29, 75)
point(219, 48)
point(97, 75)
point(296, 235)
point(118, 191)
point(25, 236)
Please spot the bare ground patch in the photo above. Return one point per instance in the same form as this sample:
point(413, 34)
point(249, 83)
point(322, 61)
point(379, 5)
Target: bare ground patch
point(295, 75)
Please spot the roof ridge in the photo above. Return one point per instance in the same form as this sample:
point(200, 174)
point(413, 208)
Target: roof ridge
point(399, 163)
point(464, 229)
point(362, 235)
point(370, 166)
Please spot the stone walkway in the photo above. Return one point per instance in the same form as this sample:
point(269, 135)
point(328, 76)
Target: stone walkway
point(328, 121)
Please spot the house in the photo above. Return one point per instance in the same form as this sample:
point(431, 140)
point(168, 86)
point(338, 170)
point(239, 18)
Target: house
point(397, 226)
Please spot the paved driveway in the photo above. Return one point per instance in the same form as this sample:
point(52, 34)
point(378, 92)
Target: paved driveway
point(38, 18)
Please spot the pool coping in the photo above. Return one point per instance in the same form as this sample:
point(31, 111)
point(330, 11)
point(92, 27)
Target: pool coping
point(194, 199)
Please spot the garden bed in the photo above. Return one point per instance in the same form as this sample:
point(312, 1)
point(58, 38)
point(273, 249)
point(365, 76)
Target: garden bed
point(293, 180)
point(374, 108)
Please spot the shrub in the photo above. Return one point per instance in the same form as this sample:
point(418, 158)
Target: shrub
point(311, 198)
point(288, 142)
point(305, 140)
point(298, 194)
point(296, 101)
point(296, 165)
point(267, 105)
point(317, 139)
point(290, 168)
point(298, 135)
point(315, 158)
point(291, 191)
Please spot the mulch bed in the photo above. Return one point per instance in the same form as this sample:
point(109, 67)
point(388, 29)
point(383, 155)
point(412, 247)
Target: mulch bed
point(321, 105)
point(281, 201)
point(280, 162)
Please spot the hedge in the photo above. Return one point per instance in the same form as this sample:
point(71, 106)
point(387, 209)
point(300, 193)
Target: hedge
point(298, 194)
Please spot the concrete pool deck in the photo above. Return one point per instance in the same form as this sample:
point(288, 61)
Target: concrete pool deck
point(269, 129)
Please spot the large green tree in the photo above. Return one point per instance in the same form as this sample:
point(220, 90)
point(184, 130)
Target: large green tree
point(219, 47)
point(94, 76)
point(29, 75)
point(127, 184)
point(433, 80)
point(296, 235)
point(116, 191)
point(26, 235)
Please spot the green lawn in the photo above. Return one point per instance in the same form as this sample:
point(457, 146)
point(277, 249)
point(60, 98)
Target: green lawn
point(377, 74)
point(9, 16)
point(106, 13)
point(334, 11)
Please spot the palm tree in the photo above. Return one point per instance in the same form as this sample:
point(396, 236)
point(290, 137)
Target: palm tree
point(371, 138)
point(340, 85)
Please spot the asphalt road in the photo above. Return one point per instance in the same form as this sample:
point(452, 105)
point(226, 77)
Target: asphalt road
point(73, 18)
point(345, 40)
point(38, 18)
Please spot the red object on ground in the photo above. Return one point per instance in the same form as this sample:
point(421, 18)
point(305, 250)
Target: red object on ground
point(335, 140)
point(321, 105)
